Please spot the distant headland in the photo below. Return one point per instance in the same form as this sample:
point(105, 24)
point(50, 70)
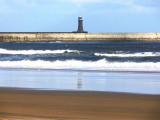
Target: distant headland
point(78, 36)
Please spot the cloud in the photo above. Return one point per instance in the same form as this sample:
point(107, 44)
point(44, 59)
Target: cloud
point(128, 7)
point(136, 6)
point(143, 9)
point(24, 3)
point(131, 10)
point(139, 8)
point(83, 1)
point(120, 2)
point(5, 8)
point(116, 6)
point(124, 2)
point(15, 6)
point(119, 6)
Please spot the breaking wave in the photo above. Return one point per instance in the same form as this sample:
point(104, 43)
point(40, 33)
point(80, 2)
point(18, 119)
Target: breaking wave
point(31, 52)
point(83, 65)
point(142, 54)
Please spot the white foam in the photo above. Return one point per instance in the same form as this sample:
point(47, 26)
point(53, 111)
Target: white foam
point(31, 52)
point(83, 65)
point(142, 54)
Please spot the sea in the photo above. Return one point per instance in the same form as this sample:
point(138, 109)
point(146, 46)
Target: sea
point(132, 67)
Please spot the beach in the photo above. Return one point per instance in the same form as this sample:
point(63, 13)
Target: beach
point(78, 95)
point(80, 81)
point(61, 105)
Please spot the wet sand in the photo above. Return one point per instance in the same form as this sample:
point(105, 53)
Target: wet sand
point(20, 104)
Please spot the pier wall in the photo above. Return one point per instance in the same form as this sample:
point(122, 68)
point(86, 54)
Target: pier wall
point(79, 37)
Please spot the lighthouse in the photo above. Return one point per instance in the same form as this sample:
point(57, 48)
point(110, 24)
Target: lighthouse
point(80, 26)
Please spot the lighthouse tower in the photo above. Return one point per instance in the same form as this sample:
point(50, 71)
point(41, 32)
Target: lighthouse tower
point(80, 26)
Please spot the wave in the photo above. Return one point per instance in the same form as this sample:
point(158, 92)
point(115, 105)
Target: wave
point(31, 52)
point(83, 65)
point(142, 54)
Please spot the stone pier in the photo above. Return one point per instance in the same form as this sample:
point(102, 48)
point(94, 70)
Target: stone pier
point(78, 37)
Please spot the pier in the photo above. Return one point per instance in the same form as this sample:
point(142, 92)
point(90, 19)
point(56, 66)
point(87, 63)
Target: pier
point(78, 37)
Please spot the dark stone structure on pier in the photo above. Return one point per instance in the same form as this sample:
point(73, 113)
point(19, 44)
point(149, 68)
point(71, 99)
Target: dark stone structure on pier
point(80, 26)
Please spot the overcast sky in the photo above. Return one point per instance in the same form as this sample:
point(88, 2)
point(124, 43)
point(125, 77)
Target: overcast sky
point(98, 15)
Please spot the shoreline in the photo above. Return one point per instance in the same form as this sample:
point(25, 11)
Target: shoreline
point(125, 82)
point(18, 103)
point(76, 70)
point(72, 91)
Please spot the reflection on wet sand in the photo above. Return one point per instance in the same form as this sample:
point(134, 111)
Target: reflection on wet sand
point(79, 83)
point(129, 82)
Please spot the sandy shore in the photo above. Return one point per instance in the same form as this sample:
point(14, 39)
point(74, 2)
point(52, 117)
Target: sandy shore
point(20, 104)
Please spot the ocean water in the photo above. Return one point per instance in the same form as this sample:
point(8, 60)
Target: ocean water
point(116, 67)
point(82, 56)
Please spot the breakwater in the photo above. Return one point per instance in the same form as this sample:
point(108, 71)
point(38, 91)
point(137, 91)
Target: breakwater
point(78, 37)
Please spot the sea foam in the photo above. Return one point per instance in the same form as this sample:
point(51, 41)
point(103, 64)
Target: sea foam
point(140, 54)
point(31, 52)
point(83, 65)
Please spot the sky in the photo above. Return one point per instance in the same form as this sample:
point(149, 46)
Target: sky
point(99, 16)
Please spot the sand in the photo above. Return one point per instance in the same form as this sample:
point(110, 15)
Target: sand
point(25, 104)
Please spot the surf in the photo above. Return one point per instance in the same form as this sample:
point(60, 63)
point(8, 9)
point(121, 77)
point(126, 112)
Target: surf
point(99, 65)
point(32, 52)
